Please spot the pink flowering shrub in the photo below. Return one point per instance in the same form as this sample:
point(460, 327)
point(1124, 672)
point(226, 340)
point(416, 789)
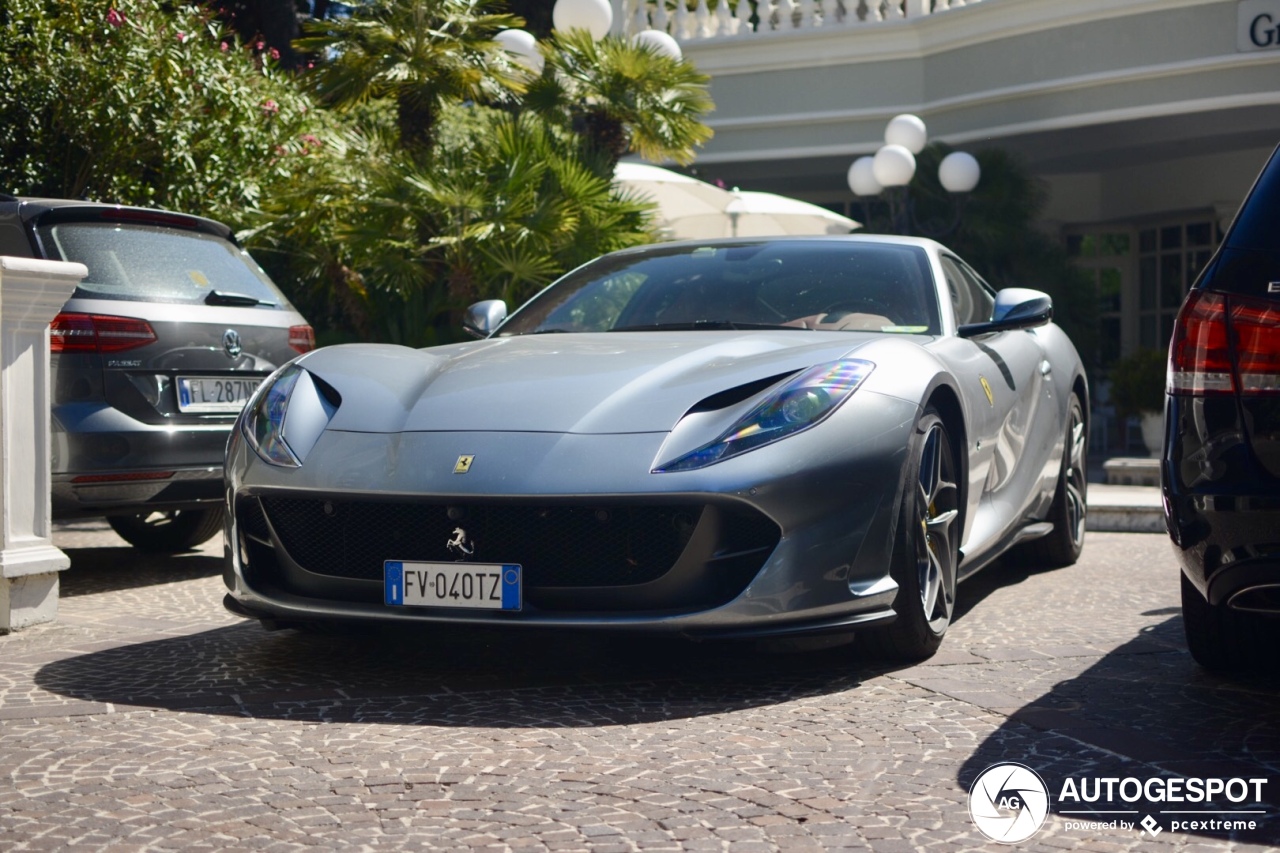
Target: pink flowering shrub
point(147, 104)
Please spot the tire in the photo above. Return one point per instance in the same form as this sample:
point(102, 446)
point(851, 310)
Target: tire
point(926, 549)
point(1216, 635)
point(1062, 547)
point(168, 532)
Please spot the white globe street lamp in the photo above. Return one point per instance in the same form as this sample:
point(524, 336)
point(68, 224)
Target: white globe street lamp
point(594, 16)
point(908, 131)
point(523, 47)
point(893, 166)
point(862, 177)
point(959, 172)
point(661, 42)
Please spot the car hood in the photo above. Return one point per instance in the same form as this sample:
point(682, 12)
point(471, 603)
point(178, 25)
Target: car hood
point(621, 382)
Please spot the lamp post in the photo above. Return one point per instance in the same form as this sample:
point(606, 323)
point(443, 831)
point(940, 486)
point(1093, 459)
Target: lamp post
point(891, 169)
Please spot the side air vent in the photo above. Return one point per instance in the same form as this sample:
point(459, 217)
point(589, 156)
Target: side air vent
point(733, 396)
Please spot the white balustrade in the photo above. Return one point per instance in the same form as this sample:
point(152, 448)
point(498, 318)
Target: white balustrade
point(31, 293)
point(697, 19)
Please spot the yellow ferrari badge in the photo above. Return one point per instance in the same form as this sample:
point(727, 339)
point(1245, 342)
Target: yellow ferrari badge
point(986, 386)
point(463, 465)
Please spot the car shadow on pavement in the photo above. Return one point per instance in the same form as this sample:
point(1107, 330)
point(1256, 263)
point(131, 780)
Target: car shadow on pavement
point(1143, 711)
point(467, 678)
point(435, 676)
point(95, 570)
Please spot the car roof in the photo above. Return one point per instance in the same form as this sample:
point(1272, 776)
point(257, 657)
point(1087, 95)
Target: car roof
point(931, 246)
point(65, 210)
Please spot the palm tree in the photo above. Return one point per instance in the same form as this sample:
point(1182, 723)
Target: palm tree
point(623, 98)
point(500, 217)
point(421, 53)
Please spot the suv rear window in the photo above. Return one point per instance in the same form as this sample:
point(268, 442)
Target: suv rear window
point(144, 263)
point(1258, 225)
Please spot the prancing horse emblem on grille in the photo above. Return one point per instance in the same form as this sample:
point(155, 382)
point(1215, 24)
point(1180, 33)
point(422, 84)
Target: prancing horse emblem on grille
point(231, 343)
point(461, 545)
point(463, 465)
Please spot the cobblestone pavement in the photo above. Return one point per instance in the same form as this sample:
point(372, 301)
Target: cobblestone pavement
point(149, 718)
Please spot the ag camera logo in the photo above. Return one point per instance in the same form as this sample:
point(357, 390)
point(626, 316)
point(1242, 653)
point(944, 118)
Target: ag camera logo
point(1008, 802)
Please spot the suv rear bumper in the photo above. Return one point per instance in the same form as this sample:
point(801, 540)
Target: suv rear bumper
point(133, 491)
point(1220, 505)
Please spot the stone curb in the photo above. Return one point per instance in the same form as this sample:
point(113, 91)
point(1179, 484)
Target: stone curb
point(1125, 509)
point(1125, 519)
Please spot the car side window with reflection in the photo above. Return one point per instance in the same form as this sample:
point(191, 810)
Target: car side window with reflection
point(971, 297)
point(960, 303)
point(982, 295)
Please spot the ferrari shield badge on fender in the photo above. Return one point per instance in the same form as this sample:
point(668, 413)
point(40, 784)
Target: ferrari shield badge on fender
point(463, 465)
point(986, 386)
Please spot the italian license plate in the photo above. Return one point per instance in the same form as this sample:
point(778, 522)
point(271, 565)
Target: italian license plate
point(214, 393)
point(475, 586)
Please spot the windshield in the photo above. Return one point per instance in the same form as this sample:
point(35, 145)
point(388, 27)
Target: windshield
point(148, 263)
point(824, 285)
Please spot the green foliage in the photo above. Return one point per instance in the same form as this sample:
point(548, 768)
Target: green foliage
point(422, 54)
point(498, 216)
point(623, 97)
point(416, 168)
point(144, 103)
point(1138, 382)
point(497, 185)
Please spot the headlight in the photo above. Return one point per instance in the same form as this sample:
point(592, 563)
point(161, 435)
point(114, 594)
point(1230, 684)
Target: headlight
point(286, 417)
point(798, 405)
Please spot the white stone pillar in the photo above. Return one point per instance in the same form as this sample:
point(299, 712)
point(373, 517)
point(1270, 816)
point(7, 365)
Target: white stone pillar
point(31, 293)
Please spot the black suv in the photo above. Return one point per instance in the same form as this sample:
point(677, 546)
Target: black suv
point(1221, 467)
point(153, 357)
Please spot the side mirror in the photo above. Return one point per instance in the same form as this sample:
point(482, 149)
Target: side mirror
point(483, 317)
point(1016, 308)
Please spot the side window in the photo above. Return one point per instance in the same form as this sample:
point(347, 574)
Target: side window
point(961, 293)
point(972, 298)
point(982, 295)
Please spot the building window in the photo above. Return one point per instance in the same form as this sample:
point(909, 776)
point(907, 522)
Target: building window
point(1140, 273)
point(1170, 257)
point(1107, 256)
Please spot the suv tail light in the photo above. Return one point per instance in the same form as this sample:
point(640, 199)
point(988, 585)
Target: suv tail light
point(302, 338)
point(1223, 344)
point(71, 332)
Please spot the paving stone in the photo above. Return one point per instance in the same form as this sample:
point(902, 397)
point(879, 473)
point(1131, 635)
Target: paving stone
point(151, 719)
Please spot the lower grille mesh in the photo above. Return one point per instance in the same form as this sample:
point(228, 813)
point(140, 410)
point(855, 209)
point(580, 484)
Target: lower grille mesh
point(557, 545)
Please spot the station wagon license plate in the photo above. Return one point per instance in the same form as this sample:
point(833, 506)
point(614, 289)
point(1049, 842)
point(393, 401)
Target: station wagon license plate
point(475, 586)
point(214, 393)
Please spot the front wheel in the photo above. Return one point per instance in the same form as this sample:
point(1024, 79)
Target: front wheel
point(168, 532)
point(926, 549)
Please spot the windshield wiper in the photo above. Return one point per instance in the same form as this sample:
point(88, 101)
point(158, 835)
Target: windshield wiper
point(699, 325)
point(223, 297)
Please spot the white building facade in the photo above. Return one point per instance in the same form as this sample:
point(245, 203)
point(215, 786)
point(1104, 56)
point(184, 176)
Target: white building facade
point(1147, 119)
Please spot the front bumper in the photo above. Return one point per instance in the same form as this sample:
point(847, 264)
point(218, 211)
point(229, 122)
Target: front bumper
point(826, 566)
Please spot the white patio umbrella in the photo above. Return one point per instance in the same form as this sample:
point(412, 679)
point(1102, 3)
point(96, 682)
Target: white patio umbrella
point(688, 209)
point(756, 214)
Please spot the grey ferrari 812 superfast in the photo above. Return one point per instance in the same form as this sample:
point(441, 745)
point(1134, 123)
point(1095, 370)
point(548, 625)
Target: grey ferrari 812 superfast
point(731, 438)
